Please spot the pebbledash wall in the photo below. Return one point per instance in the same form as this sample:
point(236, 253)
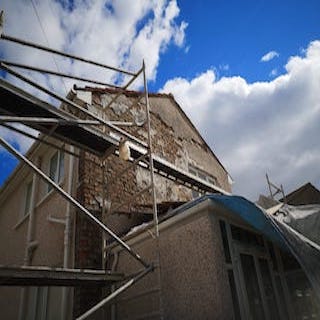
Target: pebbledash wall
point(47, 237)
point(194, 279)
point(174, 138)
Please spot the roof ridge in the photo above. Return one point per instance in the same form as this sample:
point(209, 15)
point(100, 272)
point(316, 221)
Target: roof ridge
point(124, 91)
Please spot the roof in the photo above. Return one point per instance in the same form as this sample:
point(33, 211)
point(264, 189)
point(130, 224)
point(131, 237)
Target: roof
point(306, 194)
point(132, 93)
point(238, 206)
point(242, 208)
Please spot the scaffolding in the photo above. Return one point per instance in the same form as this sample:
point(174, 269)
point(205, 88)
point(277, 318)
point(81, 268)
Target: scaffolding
point(92, 134)
point(274, 190)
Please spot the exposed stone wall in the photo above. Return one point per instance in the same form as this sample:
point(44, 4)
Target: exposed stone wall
point(88, 236)
point(173, 139)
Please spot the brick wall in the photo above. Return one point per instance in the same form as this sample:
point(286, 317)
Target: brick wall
point(88, 236)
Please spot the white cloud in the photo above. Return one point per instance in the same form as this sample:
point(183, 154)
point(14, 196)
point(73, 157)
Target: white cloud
point(269, 56)
point(22, 142)
point(270, 126)
point(224, 67)
point(118, 33)
point(186, 49)
point(273, 72)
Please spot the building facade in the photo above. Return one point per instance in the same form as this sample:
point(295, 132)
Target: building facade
point(44, 230)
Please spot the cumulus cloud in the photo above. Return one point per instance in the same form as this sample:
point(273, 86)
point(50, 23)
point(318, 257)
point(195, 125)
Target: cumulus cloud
point(260, 127)
point(118, 33)
point(269, 56)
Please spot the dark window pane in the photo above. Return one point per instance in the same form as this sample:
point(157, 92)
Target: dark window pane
point(251, 282)
point(202, 176)
point(246, 236)
point(289, 262)
point(53, 174)
point(53, 167)
point(61, 166)
point(268, 289)
point(225, 241)
point(235, 301)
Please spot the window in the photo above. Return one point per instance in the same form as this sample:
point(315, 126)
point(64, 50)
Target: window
point(229, 266)
point(225, 241)
point(247, 237)
point(27, 204)
point(37, 304)
point(56, 168)
point(203, 176)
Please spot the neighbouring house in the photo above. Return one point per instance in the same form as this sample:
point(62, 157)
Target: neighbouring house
point(44, 230)
point(306, 194)
point(300, 209)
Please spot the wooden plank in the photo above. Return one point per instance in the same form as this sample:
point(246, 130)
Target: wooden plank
point(44, 276)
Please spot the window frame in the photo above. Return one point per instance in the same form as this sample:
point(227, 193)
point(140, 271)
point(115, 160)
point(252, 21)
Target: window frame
point(27, 198)
point(203, 175)
point(236, 248)
point(56, 174)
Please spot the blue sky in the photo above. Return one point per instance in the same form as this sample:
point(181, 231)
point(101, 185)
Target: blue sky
point(237, 34)
point(258, 116)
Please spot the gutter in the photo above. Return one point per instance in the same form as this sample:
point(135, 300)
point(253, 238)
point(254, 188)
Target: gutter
point(196, 207)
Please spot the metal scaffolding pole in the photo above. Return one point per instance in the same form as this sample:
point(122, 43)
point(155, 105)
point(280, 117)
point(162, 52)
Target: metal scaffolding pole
point(59, 74)
point(72, 104)
point(67, 55)
point(72, 200)
point(153, 189)
point(143, 152)
point(43, 140)
point(116, 293)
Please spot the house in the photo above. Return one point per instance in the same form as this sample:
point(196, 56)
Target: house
point(218, 256)
point(306, 194)
point(45, 230)
point(300, 209)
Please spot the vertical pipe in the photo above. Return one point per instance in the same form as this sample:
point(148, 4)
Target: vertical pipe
point(30, 236)
point(30, 232)
point(103, 216)
point(103, 211)
point(67, 236)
